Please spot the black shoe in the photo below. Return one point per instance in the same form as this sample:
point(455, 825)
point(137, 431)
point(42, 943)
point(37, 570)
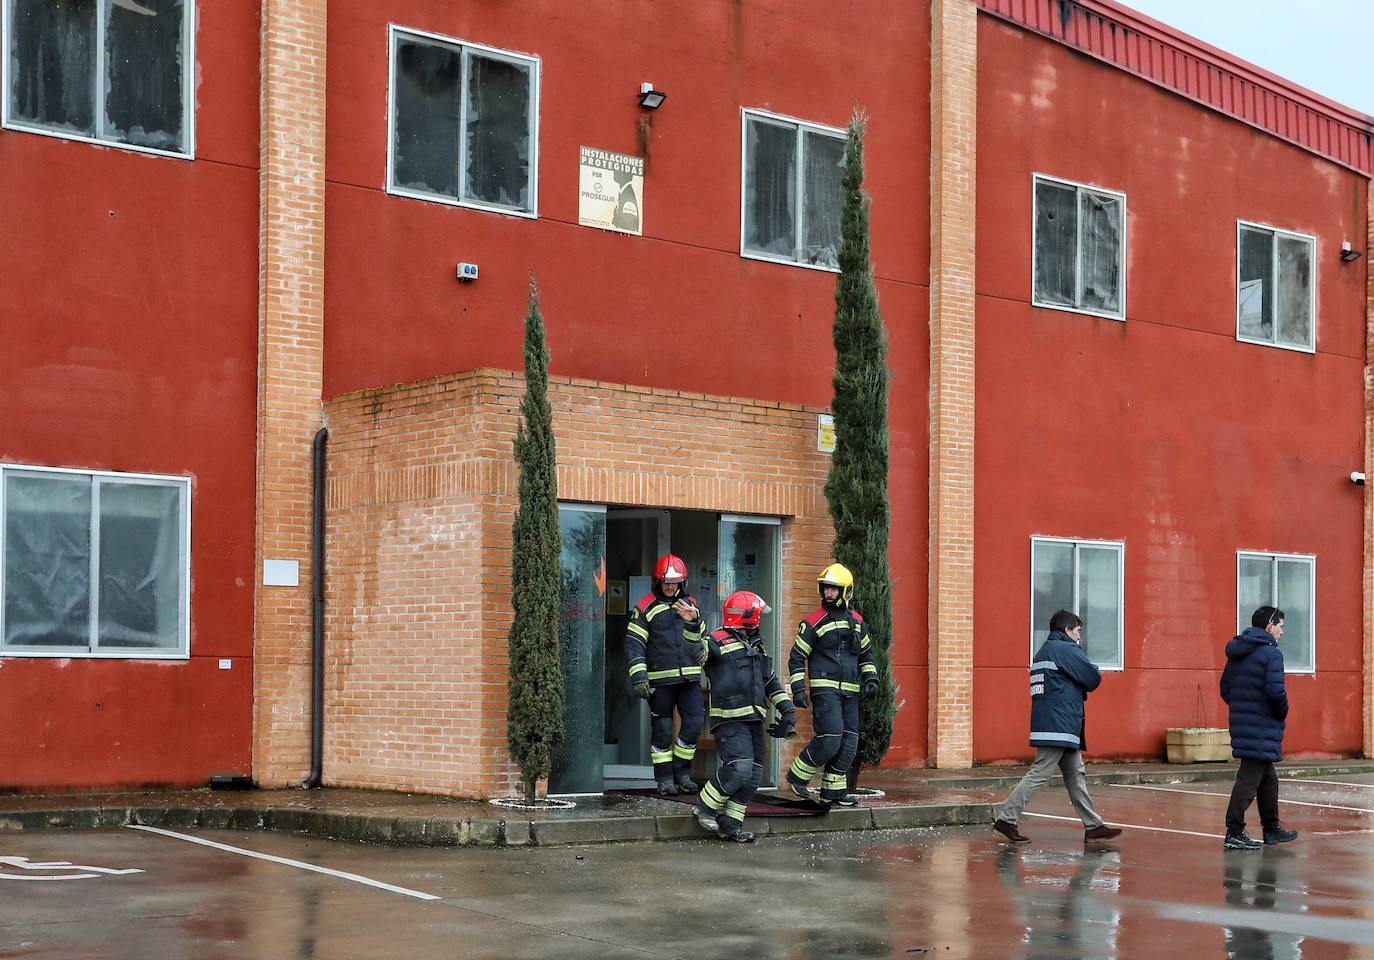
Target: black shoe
point(666, 788)
point(707, 820)
point(841, 800)
point(801, 790)
point(1008, 829)
point(686, 784)
point(738, 836)
point(1279, 835)
point(1239, 841)
point(1102, 832)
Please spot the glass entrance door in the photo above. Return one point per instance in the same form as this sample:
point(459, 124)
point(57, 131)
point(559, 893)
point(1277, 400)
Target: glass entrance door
point(635, 539)
point(577, 765)
point(749, 558)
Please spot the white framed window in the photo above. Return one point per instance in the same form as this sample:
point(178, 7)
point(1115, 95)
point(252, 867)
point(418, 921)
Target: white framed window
point(114, 72)
point(463, 123)
point(1287, 581)
point(94, 564)
point(793, 195)
point(1085, 577)
point(1078, 245)
point(1276, 300)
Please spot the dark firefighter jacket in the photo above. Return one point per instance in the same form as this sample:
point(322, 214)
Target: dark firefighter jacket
point(654, 642)
point(740, 678)
point(835, 644)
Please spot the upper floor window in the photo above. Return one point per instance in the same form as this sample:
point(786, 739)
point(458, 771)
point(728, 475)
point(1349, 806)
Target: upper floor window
point(464, 123)
point(1274, 292)
point(94, 564)
point(1079, 248)
point(1286, 581)
point(108, 71)
point(793, 194)
point(1084, 577)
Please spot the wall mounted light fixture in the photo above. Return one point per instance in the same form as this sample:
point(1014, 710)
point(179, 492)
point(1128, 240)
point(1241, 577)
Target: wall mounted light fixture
point(1349, 253)
point(649, 98)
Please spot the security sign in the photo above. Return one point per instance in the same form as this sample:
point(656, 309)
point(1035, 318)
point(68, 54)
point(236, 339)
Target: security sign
point(611, 191)
point(11, 867)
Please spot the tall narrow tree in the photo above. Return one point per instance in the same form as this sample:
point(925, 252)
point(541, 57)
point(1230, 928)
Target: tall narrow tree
point(856, 486)
point(534, 714)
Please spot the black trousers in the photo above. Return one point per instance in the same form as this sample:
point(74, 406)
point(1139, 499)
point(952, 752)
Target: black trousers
point(1255, 778)
point(739, 748)
point(669, 755)
point(836, 721)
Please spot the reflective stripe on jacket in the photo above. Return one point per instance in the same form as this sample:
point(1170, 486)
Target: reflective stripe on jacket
point(741, 681)
point(835, 647)
point(1061, 676)
point(654, 647)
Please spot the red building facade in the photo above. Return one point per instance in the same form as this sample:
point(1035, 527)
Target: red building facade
point(1149, 401)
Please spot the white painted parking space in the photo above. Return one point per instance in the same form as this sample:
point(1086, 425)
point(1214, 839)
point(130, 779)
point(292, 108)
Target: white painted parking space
point(298, 864)
point(1226, 795)
point(22, 868)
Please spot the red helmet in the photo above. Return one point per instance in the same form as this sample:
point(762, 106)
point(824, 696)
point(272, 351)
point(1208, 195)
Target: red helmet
point(743, 610)
point(670, 569)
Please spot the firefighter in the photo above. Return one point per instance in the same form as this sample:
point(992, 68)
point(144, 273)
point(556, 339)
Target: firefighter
point(660, 646)
point(833, 643)
point(742, 686)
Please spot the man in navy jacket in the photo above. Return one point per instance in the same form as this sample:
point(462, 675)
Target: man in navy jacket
point(1061, 677)
point(1252, 686)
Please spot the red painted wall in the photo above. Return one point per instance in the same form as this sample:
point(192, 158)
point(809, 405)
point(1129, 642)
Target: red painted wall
point(679, 307)
point(1163, 431)
point(129, 306)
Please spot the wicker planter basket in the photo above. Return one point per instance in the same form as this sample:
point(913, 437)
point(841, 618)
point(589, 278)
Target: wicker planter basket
point(1198, 744)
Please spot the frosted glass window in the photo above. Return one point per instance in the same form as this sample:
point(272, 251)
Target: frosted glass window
point(1083, 577)
point(1274, 292)
point(115, 71)
point(1286, 582)
point(463, 123)
point(94, 564)
point(793, 191)
point(1079, 248)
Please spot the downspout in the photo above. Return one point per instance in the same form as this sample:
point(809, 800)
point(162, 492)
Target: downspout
point(317, 616)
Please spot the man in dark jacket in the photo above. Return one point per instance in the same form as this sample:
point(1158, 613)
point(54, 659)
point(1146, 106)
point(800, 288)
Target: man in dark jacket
point(1061, 677)
point(1252, 686)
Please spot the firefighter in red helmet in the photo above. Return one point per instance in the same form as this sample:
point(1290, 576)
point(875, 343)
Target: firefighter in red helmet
point(660, 646)
point(744, 689)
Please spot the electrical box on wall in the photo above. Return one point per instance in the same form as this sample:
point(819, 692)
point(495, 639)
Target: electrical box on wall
point(467, 272)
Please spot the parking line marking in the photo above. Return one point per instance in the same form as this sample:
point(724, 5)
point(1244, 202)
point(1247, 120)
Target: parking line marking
point(1224, 796)
point(355, 878)
point(1131, 826)
point(1334, 783)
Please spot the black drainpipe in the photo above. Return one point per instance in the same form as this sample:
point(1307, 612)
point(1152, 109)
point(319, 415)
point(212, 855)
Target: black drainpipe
point(317, 617)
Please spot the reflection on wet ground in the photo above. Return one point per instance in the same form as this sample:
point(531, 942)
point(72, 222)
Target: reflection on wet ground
point(1166, 888)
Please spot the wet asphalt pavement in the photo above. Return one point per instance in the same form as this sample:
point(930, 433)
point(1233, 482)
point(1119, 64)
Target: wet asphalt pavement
point(1166, 891)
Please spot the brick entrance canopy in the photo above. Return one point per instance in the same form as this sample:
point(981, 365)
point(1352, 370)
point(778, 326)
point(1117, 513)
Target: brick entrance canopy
point(421, 496)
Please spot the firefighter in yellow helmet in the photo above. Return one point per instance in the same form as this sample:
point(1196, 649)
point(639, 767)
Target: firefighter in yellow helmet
point(833, 646)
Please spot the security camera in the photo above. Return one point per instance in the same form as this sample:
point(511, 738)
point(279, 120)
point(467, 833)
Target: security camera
point(1357, 478)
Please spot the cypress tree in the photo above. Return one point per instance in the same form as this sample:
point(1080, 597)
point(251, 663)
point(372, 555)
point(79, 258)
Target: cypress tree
point(856, 486)
point(534, 713)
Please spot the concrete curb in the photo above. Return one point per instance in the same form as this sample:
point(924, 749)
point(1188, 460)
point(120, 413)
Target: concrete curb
point(448, 832)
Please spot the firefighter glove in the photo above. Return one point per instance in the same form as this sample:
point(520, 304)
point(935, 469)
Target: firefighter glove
point(641, 689)
point(871, 687)
point(785, 726)
point(799, 696)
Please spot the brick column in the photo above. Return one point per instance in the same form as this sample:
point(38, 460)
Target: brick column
point(1368, 685)
point(953, 116)
point(290, 356)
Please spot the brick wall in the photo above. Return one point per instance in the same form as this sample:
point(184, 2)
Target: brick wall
point(422, 487)
point(290, 341)
point(953, 116)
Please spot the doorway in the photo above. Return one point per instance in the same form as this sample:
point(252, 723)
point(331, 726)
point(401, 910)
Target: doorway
point(606, 743)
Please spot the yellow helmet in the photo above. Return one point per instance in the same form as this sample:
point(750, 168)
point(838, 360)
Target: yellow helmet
point(838, 575)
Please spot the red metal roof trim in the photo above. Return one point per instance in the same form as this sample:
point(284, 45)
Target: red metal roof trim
point(1124, 38)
